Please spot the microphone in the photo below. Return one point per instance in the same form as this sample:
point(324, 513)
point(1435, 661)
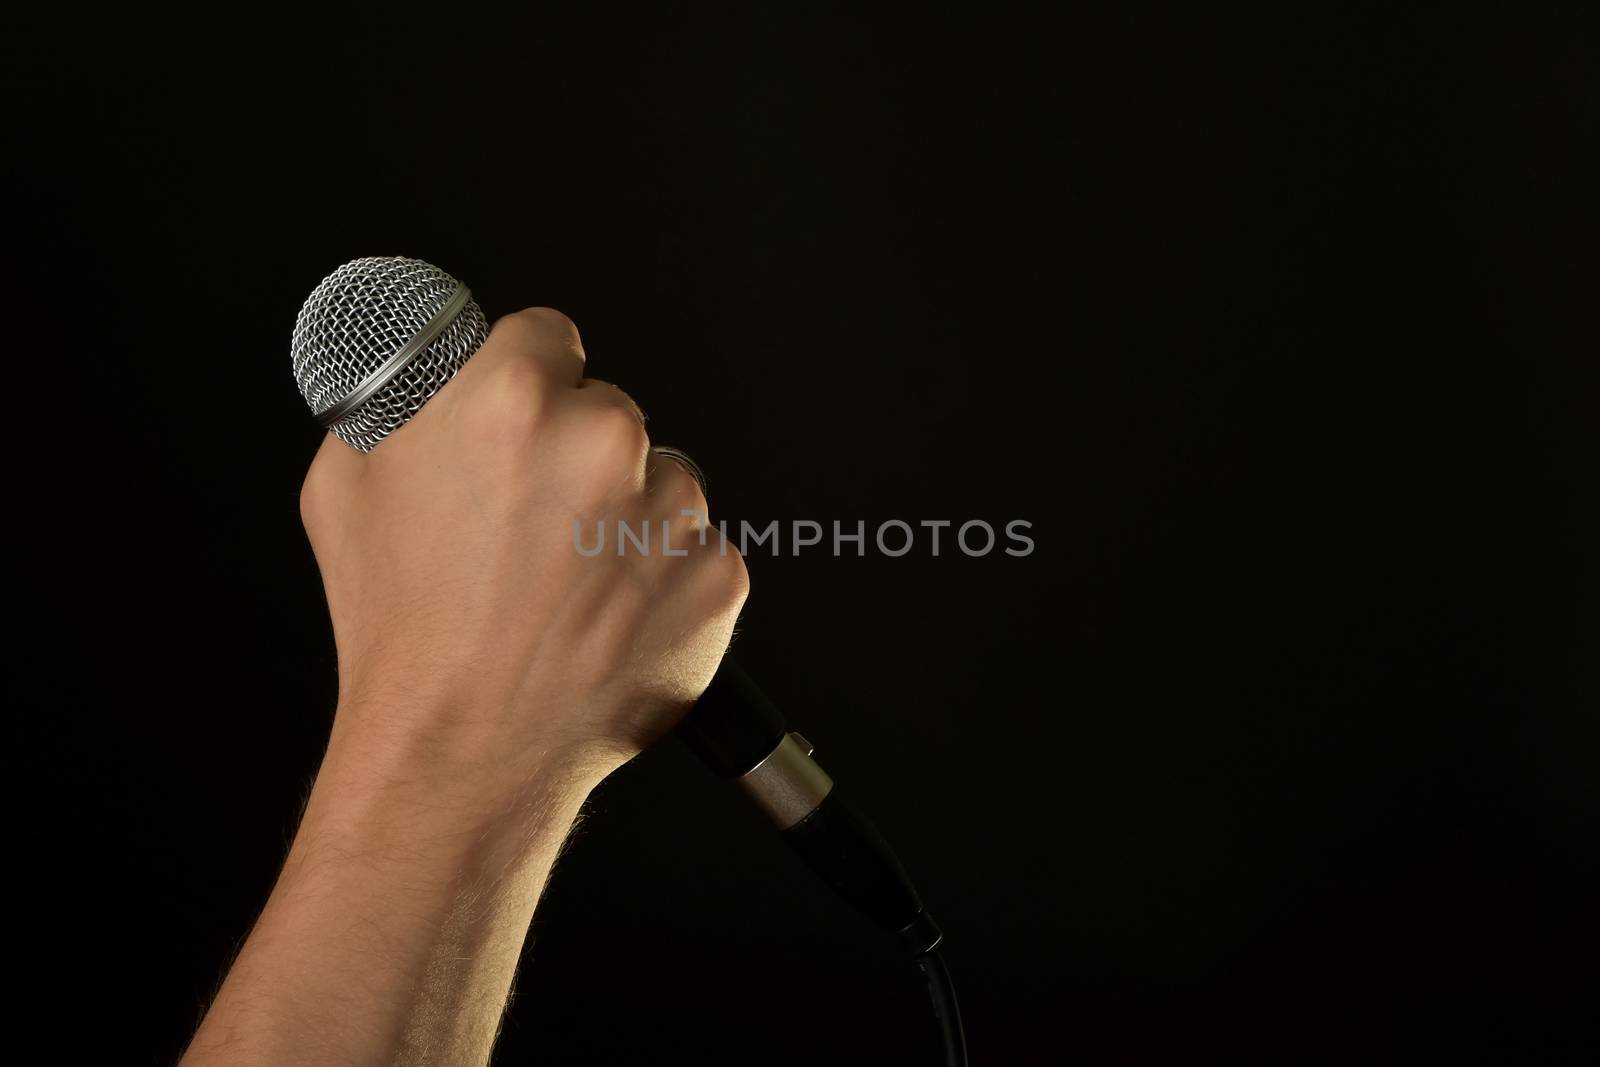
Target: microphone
point(379, 337)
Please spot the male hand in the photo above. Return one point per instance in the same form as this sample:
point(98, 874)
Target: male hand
point(475, 641)
point(490, 674)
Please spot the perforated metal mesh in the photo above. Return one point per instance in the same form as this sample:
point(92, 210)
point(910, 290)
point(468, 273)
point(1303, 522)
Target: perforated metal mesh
point(360, 317)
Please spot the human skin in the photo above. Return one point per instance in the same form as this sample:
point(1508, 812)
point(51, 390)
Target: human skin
point(489, 677)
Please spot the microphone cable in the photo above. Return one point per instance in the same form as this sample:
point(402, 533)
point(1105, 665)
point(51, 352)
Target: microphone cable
point(942, 992)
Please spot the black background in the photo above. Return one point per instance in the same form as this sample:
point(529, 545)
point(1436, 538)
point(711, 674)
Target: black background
point(1282, 745)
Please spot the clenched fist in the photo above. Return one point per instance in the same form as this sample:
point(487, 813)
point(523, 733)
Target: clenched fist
point(471, 630)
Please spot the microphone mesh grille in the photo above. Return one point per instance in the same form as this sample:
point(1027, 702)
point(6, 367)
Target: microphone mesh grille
point(359, 317)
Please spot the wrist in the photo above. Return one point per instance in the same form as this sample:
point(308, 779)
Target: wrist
point(474, 744)
point(411, 777)
point(383, 845)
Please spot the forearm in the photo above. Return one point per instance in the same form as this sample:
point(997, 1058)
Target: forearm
point(394, 931)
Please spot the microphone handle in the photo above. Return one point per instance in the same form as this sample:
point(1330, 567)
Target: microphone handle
point(740, 735)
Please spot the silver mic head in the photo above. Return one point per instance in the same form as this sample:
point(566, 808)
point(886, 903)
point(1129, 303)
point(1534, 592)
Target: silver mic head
point(379, 337)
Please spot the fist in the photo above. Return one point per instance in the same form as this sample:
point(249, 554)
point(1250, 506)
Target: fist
point(477, 627)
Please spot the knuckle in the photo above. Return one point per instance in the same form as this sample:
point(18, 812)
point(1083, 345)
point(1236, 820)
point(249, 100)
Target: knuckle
point(508, 329)
point(729, 578)
point(536, 324)
point(553, 321)
point(675, 488)
point(616, 435)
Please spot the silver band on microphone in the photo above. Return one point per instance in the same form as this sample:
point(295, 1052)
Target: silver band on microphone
point(788, 784)
point(399, 361)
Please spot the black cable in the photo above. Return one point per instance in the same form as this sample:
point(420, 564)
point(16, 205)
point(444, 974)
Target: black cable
point(942, 991)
